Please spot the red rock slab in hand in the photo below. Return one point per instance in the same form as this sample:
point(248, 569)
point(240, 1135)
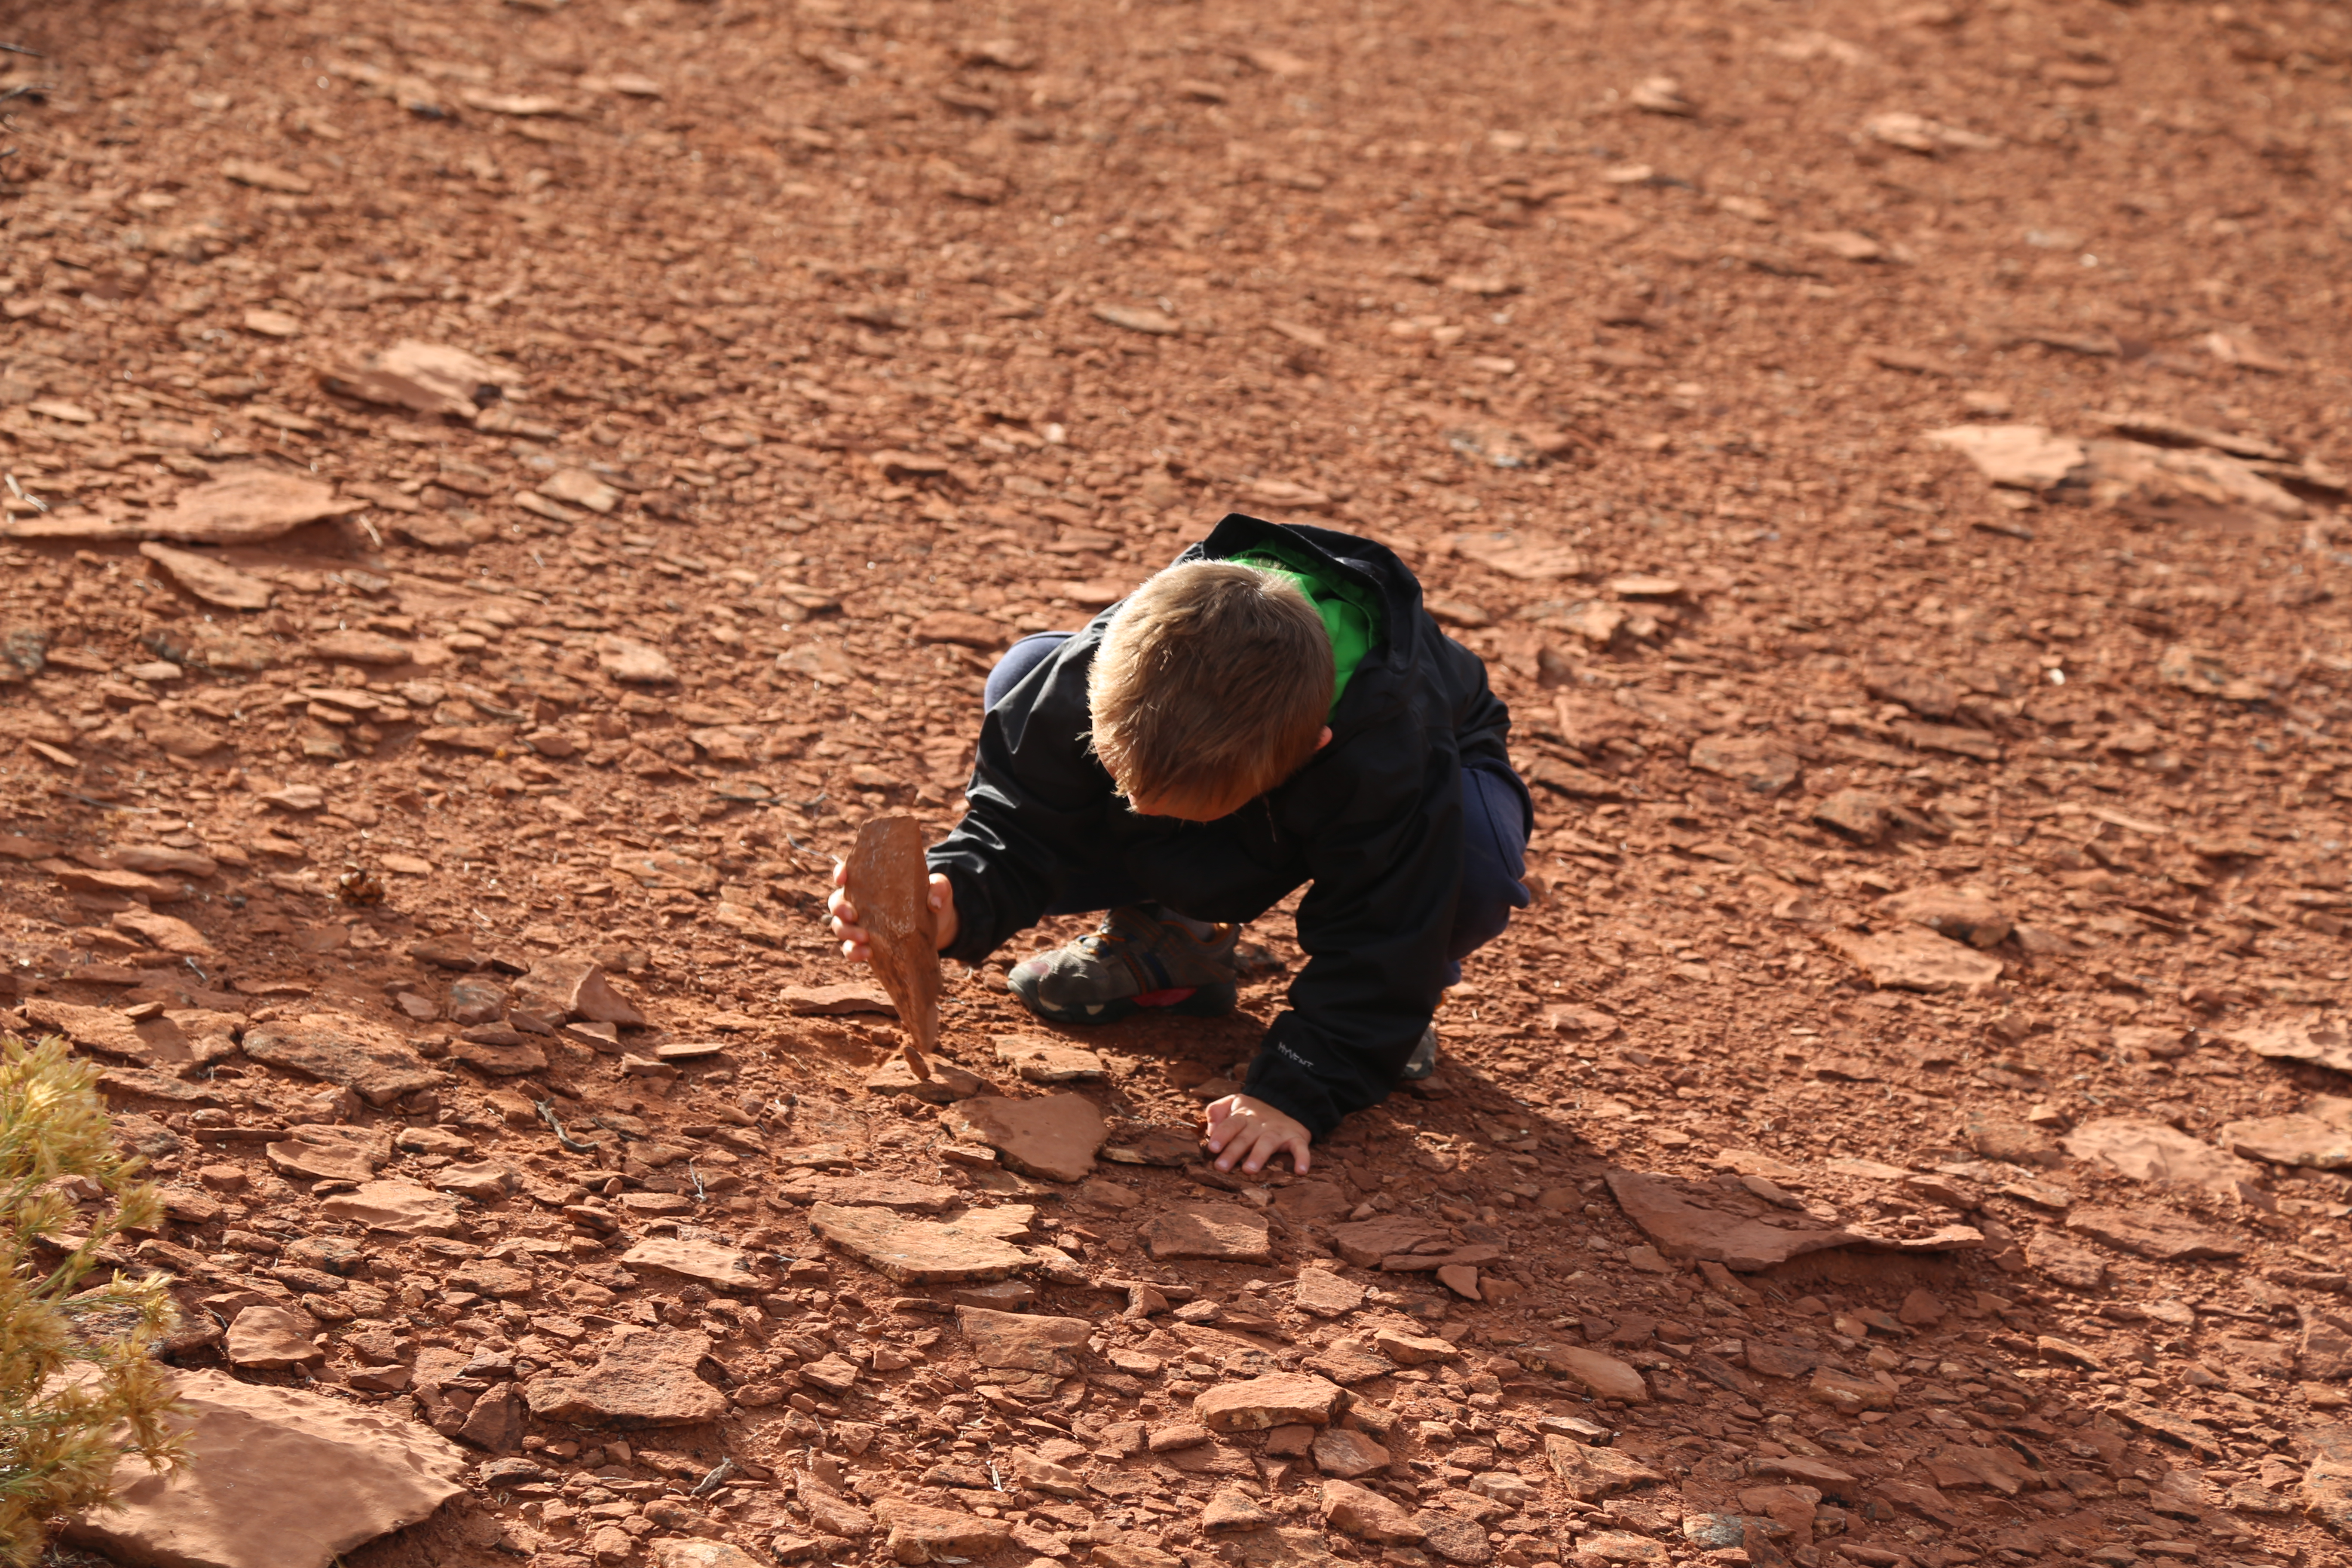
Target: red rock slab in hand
point(1760, 763)
point(1913, 959)
point(831, 1001)
point(2327, 1042)
point(1366, 1242)
point(330, 1154)
point(1360, 1512)
point(573, 985)
point(704, 1262)
point(401, 1208)
point(1589, 1474)
point(1226, 1233)
point(888, 883)
point(2158, 1233)
point(274, 1478)
point(2156, 1152)
point(971, 1248)
point(646, 1377)
point(2311, 1142)
point(372, 1061)
point(272, 1339)
point(1022, 1340)
point(1261, 1404)
point(1681, 1229)
point(1053, 1138)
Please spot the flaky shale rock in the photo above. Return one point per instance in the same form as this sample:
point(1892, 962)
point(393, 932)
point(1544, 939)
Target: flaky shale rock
point(274, 1478)
point(644, 1378)
point(972, 1247)
point(2327, 1484)
point(574, 986)
point(1682, 1229)
point(1053, 1138)
point(367, 1058)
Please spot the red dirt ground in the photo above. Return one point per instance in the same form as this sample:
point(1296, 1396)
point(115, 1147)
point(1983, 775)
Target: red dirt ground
point(826, 349)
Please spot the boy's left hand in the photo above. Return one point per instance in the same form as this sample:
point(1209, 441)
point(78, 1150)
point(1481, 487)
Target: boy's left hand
point(1250, 1132)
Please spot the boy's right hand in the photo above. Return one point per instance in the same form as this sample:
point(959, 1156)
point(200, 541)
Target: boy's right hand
point(854, 944)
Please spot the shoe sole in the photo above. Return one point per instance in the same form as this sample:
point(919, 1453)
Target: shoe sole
point(1206, 1002)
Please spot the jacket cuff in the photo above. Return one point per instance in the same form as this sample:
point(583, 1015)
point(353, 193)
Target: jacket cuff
point(1287, 1083)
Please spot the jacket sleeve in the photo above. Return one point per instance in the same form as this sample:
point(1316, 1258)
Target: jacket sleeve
point(1038, 805)
point(1375, 925)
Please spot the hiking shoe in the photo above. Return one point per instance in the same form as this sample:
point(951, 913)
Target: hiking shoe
point(1140, 956)
point(1423, 1060)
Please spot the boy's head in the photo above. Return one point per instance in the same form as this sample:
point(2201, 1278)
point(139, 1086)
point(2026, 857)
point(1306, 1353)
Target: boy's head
point(1211, 688)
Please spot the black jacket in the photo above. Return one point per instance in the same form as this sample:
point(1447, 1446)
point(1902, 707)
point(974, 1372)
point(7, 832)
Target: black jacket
point(1374, 822)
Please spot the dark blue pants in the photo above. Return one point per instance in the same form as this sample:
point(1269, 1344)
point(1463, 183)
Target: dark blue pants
point(1494, 836)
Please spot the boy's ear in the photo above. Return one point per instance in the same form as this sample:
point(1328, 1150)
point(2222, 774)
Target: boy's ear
point(1324, 739)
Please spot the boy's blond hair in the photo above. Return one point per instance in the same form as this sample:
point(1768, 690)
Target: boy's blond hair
point(1211, 686)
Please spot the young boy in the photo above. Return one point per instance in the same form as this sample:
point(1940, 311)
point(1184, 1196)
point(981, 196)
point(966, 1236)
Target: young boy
point(1275, 709)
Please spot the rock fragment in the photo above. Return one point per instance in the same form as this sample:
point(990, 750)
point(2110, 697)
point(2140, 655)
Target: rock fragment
point(2156, 1152)
point(259, 1461)
point(2320, 1141)
point(1053, 1138)
point(367, 1058)
point(1022, 1341)
point(1259, 1404)
point(1346, 1454)
point(1589, 1474)
point(2023, 457)
point(1912, 959)
point(2154, 1233)
point(971, 1248)
point(272, 1339)
point(1955, 912)
point(212, 581)
point(1360, 1512)
point(1218, 1232)
point(644, 1378)
point(574, 986)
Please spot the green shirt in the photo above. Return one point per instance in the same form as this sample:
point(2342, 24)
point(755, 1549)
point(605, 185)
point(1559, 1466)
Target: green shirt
point(1351, 614)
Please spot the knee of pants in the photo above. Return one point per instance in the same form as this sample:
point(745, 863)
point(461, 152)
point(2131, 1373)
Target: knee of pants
point(1019, 660)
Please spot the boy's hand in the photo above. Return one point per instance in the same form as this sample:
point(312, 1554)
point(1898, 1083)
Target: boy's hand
point(854, 942)
point(1251, 1132)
